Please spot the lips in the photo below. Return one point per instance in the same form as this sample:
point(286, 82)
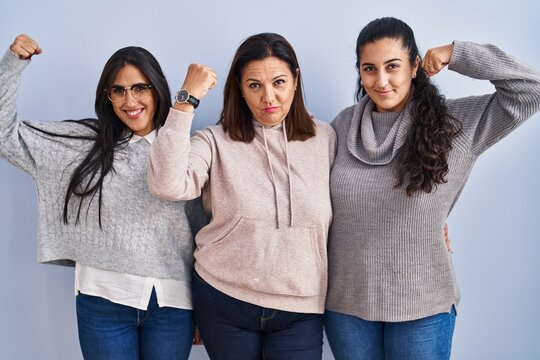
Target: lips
point(384, 93)
point(270, 109)
point(133, 114)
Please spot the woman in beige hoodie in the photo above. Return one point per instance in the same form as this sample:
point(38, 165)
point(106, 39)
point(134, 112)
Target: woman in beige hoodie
point(261, 266)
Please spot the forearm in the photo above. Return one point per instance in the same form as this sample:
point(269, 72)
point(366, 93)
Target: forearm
point(517, 84)
point(168, 176)
point(487, 119)
point(11, 68)
point(13, 144)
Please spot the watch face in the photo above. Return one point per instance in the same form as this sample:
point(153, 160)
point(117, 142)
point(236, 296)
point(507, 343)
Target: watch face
point(182, 96)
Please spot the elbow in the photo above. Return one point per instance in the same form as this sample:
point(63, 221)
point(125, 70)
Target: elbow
point(157, 191)
point(163, 192)
point(161, 188)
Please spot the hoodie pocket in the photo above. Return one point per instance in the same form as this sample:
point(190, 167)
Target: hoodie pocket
point(258, 256)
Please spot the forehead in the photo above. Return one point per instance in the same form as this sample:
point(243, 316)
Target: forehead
point(383, 50)
point(268, 67)
point(129, 75)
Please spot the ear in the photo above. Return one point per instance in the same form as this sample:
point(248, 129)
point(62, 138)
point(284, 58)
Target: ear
point(297, 75)
point(415, 66)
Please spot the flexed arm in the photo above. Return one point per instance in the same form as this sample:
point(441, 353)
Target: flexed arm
point(14, 146)
point(487, 119)
point(178, 169)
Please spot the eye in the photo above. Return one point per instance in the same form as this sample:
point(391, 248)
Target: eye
point(140, 88)
point(254, 85)
point(393, 66)
point(368, 68)
point(279, 82)
point(117, 90)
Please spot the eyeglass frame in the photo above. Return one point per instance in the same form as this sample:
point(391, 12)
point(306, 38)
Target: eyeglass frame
point(130, 88)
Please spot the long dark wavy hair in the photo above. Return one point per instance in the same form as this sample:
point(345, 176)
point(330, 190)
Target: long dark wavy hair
point(423, 159)
point(236, 118)
point(111, 134)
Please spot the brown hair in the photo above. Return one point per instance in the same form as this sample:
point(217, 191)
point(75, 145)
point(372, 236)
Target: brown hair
point(236, 118)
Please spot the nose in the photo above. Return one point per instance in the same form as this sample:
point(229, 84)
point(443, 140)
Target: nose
point(268, 95)
point(382, 80)
point(129, 97)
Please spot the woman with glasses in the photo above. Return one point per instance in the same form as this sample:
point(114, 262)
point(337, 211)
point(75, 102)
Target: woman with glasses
point(133, 253)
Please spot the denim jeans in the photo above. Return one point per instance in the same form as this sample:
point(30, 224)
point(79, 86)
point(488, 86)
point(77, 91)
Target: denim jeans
point(109, 331)
point(351, 337)
point(234, 329)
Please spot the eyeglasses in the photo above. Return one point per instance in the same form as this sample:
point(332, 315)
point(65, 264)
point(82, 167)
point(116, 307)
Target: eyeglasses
point(138, 91)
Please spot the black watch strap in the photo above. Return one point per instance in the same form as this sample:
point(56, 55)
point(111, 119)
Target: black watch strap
point(183, 96)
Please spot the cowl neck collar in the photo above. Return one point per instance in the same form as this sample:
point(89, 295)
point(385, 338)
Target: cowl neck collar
point(362, 142)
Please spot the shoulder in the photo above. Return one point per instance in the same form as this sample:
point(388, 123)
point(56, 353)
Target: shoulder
point(85, 128)
point(324, 129)
point(215, 131)
point(344, 117)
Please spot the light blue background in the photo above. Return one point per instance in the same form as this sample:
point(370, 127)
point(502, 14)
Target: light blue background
point(494, 226)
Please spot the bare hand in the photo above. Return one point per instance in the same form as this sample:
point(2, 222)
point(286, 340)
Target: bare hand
point(437, 58)
point(447, 241)
point(197, 339)
point(199, 79)
point(25, 47)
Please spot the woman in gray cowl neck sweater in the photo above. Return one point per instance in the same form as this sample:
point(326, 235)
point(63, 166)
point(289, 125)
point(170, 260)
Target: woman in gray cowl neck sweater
point(404, 154)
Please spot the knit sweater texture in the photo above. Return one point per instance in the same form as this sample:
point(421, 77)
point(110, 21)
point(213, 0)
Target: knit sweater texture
point(387, 256)
point(269, 202)
point(140, 234)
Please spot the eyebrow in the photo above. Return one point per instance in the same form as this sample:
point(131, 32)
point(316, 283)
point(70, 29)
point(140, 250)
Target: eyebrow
point(275, 78)
point(137, 83)
point(386, 62)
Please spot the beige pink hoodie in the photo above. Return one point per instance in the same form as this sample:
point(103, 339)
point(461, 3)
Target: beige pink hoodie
point(269, 204)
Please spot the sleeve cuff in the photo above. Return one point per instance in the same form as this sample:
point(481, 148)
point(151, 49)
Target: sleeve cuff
point(10, 60)
point(179, 120)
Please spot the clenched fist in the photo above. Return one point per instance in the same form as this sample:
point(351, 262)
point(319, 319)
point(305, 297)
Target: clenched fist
point(25, 47)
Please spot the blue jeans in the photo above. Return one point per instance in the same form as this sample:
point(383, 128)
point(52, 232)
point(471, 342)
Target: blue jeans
point(351, 337)
point(118, 332)
point(237, 330)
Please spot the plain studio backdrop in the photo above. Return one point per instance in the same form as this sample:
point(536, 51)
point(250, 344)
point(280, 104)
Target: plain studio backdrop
point(493, 227)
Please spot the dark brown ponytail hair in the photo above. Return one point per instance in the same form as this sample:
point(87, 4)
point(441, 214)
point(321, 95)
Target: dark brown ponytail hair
point(423, 159)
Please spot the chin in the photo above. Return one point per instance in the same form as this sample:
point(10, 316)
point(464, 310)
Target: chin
point(137, 130)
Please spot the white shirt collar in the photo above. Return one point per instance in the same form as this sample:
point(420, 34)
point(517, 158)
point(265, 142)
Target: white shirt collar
point(150, 137)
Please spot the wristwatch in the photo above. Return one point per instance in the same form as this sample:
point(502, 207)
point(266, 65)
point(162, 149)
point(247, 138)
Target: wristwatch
point(184, 97)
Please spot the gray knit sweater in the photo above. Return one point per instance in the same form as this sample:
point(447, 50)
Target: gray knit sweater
point(140, 234)
point(387, 257)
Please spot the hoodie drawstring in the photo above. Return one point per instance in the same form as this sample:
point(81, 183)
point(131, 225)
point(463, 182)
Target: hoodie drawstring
point(276, 196)
point(288, 174)
point(273, 176)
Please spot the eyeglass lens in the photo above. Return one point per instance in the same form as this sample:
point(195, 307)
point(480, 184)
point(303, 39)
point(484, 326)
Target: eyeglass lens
point(138, 91)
